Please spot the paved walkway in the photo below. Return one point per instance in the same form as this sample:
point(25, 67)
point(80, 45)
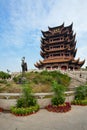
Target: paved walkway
point(76, 119)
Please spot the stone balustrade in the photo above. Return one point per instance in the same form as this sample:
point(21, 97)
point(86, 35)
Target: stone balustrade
point(43, 99)
point(38, 95)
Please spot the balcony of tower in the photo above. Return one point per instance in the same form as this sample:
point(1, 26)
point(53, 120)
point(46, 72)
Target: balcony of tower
point(55, 34)
point(57, 60)
point(60, 56)
point(58, 40)
point(56, 49)
point(59, 34)
point(50, 33)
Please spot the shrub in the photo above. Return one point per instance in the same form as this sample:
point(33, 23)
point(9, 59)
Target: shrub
point(80, 96)
point(57, 100)
point(84, 102)
point(26, 104)
point(79, 102)
point(3, 81)
point(19, 79)
point(59, 97)
point(81, 92)
point(20, 102)
point(27, 98)
point(15, 79)
point(24, 111)
point(4, 75)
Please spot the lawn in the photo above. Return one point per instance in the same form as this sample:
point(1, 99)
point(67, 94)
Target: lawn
point(38, 81)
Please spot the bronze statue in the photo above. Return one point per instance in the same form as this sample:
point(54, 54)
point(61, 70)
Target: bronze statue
point(24, 65)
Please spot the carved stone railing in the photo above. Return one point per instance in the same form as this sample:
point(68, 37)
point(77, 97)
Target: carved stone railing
point(43, 99)
point(38, 95)
point(8, 95)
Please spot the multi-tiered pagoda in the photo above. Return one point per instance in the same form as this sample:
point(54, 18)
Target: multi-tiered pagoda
point(58, 49)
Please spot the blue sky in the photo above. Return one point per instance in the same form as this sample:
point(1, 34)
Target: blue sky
point(21, 22)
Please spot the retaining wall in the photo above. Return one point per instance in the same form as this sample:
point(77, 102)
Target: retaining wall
point(7, 103)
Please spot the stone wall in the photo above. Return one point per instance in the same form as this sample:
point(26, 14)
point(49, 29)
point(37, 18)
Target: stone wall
point(7, 103)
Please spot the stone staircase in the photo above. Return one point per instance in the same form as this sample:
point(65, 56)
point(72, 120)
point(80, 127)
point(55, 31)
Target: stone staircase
point(75, 83)
point(77, 78)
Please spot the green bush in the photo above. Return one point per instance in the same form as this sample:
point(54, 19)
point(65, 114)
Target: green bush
point(80, 96)
point(27, 98)
point(19, 79)
point(24, 111)
point(58, 100)
point(80, 102)
point(84, 102)
point(81, 92)
point(3, 81)
point(4, 75)
point(15, 79)
point(20, 102)
point(26, 104)
point(59, 96)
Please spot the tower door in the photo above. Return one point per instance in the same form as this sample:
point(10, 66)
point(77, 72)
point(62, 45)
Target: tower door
point(55, 66)
point(63, 67)
point(48, 67)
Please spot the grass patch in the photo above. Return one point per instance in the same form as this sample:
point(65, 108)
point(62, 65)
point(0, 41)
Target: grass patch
point(39, 81)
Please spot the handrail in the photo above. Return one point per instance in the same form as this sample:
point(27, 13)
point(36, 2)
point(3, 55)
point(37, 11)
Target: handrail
point(39, 95)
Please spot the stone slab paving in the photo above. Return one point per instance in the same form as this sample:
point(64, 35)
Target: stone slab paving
point(76, 119)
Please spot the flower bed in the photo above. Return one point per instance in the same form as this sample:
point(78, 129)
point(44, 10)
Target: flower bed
point(24, 111)
point(60, 108)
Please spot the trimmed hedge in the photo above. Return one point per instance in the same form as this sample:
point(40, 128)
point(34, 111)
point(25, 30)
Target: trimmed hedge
point(80, 96)
point(81, 92)
point(80, 102)
point(24, 111)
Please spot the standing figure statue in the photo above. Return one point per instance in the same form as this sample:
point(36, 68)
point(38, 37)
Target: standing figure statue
point(24, 65)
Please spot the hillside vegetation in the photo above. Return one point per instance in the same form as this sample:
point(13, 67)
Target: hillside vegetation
point(38, 81)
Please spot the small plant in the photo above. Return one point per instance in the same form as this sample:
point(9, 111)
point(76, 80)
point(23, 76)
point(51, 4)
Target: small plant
point(81, 92)
point(24, 111)
point(80, 96)
point(79, 102)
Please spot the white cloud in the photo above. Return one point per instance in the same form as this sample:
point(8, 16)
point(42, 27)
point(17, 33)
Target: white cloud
point(27, 18)
point(39, 14)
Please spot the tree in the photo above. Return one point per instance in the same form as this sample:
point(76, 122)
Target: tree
point(59, 96)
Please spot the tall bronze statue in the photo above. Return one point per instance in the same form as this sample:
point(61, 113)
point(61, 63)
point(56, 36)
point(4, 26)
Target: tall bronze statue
point(23, 65)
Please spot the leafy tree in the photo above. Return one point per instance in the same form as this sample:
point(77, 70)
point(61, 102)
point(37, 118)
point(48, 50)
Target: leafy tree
point(59, 96)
